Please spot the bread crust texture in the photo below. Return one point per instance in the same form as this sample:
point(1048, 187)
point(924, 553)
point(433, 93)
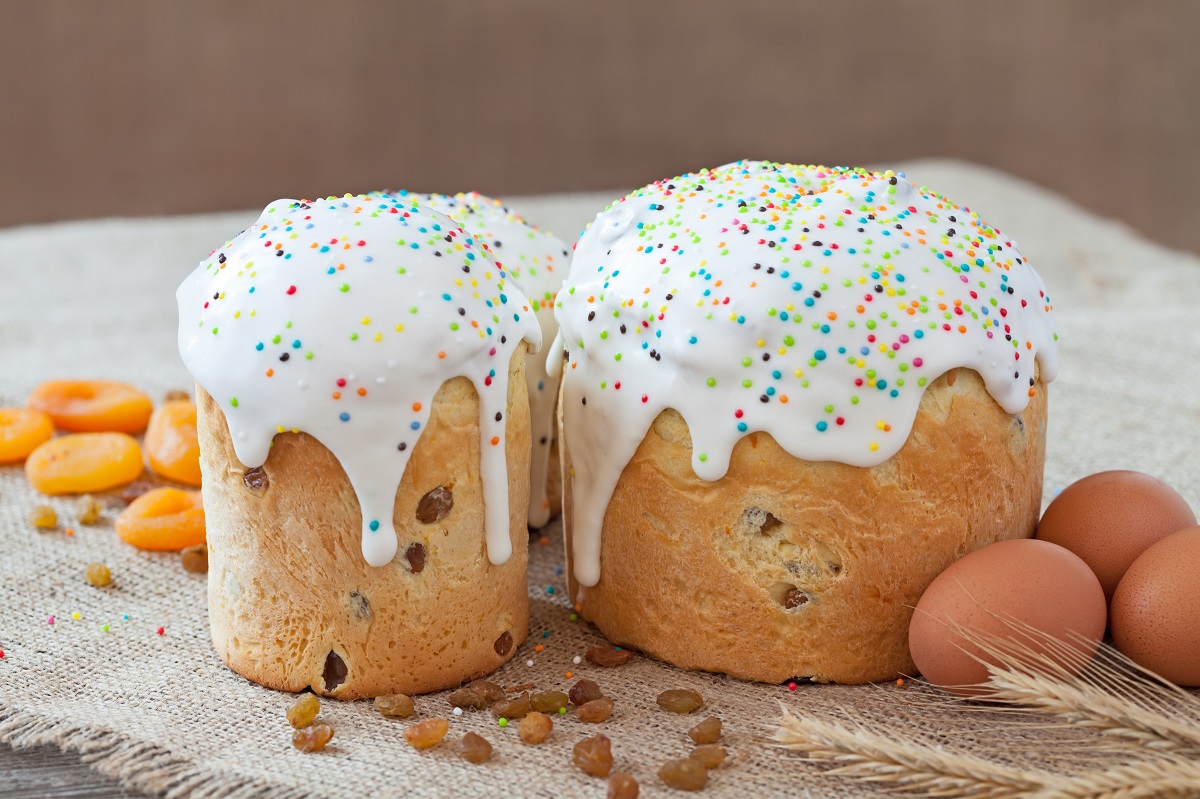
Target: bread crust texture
point(786, 568)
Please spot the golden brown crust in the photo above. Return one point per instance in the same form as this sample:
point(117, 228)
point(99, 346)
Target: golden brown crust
point(698, 573)
point(288, 584)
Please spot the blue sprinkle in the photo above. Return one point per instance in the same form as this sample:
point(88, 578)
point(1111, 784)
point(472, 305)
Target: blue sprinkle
point(895, 393)
point(741, 320)
point(692, 340)
point(415, 425)
point(819, 355)
point(330, 270)
point(252, 289)
point(825, 328)
point(259, 346)
point(741, 427)
point(345, 417)
point(374, 525)
point(810, 302)
point(446, 297)
point(864, 351)
point(881, 385)
point(504, 299)
point(918, 334)
point(822, 426)
point(415, 246)
point(296, 344)
point(324, 248)
point(797, 286)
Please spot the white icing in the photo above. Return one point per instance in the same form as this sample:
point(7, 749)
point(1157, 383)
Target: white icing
point(293, 324)
point(538, 262)
point(817, 270)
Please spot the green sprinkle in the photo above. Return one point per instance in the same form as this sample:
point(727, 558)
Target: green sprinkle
point(503, 722)
point(233, 401)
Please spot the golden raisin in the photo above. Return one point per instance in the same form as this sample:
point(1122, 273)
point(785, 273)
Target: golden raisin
point(515, 708)
point(312, 738)
point(711, 755)
point(434, 506)
point(44, 517)
point(535, 727)
point(707, 731)
point(87, 510)
point(98, 575)
point(585, 691)
point(489, 690)
point(680, 700)
point(607, 656)
point(684, 774)
point(395, 706)
point(425, 734)
point(622, 786)
point(467, 699)
point(474, 748)
point(594, 755)
point(596, 711)
point(548, 701)
point(195, 559)
point(302, 712)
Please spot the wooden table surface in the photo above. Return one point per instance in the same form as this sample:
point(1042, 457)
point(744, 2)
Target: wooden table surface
point(45, 772)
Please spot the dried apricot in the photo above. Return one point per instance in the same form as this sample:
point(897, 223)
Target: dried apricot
point(92, 406)
point(165, 519)
point(596, 711)
point(684, 774)
point(21, 432)
point(84, 462)
point(172, 444)
point(711, 755)
point(474, 748)
point(707, 731)
point(535, 727)
point(425, 734)
point(395, 706)
point(680, 700)
point(313, 738)
point(622, 786)
point(303, 710)
point(594, 755)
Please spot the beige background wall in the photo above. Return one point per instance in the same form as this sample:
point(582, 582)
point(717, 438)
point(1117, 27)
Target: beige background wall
point(128, 108)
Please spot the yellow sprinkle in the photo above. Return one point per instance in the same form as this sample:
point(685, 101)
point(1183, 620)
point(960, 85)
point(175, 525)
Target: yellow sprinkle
point(799, 373)
point(881, 424)
point(366, 320)
point(279, 429)
point(399, 328)
point(874, 446)
point(75, 615)
point(378, 337)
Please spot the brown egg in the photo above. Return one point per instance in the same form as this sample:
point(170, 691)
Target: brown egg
point(1156, 610)
point(1110, 518)
point(1034, 582)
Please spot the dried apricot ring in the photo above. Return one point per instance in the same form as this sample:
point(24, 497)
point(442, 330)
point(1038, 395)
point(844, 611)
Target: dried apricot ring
point(84, 462)
point(21, 432)
point(92, 406)
point(172, 445)
point(165, 519)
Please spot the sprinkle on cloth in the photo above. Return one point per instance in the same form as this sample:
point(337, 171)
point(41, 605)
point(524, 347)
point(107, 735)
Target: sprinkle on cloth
point(811, 303)
point(341, 318)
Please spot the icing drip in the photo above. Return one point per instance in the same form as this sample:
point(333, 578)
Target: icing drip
point(810, 303)
point(342, 318)
point(538, 262)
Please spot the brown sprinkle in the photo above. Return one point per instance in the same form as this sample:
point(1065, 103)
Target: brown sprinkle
point(535, 727)
point(680, 700)
point(513, 708)
point(98, 575)
point(44, 517)
point(607, 657)
point(312, 738)
point(425, 734)
point(596, 711)
point(594, 755)
point(548, 701)
point(584, 691)
point(87, 510)
point(474, 748)
point(711, 755)
point(395, 706)
point(195, 559)
point(707, 731)
point(622, 786)
point(302, 712)
point(684, 774)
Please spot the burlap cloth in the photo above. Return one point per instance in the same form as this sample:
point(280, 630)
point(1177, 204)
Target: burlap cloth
point(161, 712)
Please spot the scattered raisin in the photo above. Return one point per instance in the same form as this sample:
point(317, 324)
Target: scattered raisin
point(594, 755)
point(434, 506)
point(466, 699)
point(548, 701)
point(585, 691)
point(535, 727)
point(312, 739)
point(794, 598)
point(711, 755)
point(707, 731)
point(415, 555)
point(44, 517)
point(680, 700)
point(134, 490)
point(87, 510)
point(770, 522)
point(360, 606)
point(504, 643)
point(195, 559)
point(474, 748)
point(622, 786)
point(427, 733)
point(684, 774)
point(596, 711)
point(489, 690)
point(302, 712)
point(175, 395)
point(98, 575)
point(607, 656)
point(513, 708)
point(256, 479)
point(335, 671)
point(395, 706)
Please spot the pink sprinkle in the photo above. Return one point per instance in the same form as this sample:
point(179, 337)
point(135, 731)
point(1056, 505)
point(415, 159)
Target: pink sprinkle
point(917, 362)
point(291, 290)
point(791, 686)
point(161, 630)
point(50, 621)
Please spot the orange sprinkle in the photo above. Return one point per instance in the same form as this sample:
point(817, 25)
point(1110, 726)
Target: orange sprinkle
point(270, 373)
point(70, 531)
point(544, 540)
point(860, 309)
point(962, 328)
point(570, 674)
point(538, 648)
point(416, 407)
point(900, 683)
point(337, 395)
point(495, 440)
point(783, 398)
point(832, 315)
point(362, 392)
point(441, 355)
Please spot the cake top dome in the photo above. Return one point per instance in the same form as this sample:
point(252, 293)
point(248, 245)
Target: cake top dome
point(341, 318)
point(810, 303)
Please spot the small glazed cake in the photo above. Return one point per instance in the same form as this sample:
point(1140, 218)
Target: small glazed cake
point(792, 397)
point(538, 262)
point(364, 440)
